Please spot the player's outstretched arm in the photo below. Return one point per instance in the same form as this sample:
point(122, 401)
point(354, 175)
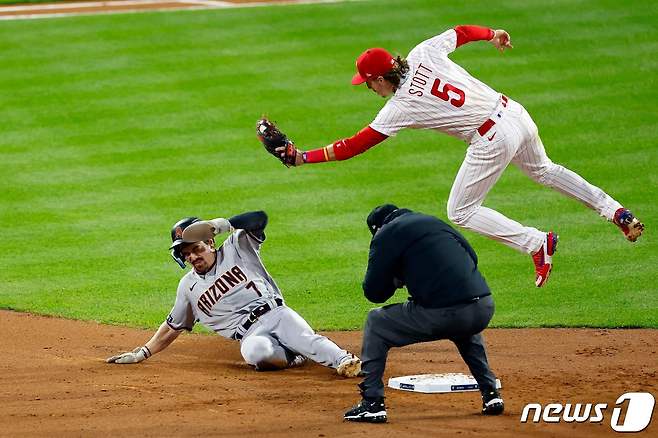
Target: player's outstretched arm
point(341, 149)
point(346, 148)
point(467, 33)
point(160, 340)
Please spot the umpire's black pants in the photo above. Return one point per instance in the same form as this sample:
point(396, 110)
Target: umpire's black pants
point(407, 323)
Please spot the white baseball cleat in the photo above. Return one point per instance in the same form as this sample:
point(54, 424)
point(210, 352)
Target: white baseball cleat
point(349, 367)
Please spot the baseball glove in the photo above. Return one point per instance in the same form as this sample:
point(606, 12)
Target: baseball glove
point(276, 142)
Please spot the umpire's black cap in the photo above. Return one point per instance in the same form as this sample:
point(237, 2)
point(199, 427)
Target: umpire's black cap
point(377, 215)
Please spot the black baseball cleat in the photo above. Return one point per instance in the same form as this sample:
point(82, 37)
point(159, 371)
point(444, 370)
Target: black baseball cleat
point(368, 411)
point(492, 403)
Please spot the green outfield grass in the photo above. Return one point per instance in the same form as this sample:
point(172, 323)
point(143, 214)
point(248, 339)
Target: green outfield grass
point(113, 127)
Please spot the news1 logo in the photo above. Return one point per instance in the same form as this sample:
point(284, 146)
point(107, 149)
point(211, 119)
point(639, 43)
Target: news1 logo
point(639, 410)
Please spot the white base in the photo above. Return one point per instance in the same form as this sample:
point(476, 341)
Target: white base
point(436, 383)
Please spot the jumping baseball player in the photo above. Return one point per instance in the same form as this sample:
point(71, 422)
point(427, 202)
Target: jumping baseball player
point(429, 91)
point(230, 291)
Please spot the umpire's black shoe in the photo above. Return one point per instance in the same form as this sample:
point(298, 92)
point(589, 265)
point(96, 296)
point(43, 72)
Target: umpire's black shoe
point(492, 403)
point(368, 410)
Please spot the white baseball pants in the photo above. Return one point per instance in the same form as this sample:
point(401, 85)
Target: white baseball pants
point(514, 138)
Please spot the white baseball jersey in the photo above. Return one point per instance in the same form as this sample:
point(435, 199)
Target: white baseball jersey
point(437, 94)
point(222, 298)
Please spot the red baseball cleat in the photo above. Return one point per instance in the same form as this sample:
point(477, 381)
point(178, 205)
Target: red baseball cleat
point(628, 224)
point(543, 259)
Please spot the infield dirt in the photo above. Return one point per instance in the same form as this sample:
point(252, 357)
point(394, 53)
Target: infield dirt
point(54, 381)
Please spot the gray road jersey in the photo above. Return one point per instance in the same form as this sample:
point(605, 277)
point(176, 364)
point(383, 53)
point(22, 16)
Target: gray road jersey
point(222, 298)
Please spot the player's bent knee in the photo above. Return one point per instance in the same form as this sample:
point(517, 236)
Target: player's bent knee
point(457, 220)
point(459, 217)
point(256, 349)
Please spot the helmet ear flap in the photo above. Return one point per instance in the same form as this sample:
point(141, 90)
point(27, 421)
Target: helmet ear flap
point(177, 239)
point(178, 257)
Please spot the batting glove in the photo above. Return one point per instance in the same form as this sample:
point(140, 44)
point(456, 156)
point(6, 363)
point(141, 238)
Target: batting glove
point(137, 355)
point(221, 225)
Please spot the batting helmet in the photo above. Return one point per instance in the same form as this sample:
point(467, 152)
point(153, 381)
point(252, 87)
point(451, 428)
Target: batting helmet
point(177, 239)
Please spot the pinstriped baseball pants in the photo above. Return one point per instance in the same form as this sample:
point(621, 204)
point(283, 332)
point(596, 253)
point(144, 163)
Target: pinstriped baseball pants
point(514, 138)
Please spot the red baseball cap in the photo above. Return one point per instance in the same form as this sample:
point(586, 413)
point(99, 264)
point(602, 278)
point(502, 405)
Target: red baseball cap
point(372, 63)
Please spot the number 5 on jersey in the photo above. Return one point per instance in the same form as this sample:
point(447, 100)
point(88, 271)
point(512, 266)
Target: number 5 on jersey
point(443, 93)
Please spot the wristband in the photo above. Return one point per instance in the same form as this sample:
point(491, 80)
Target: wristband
point(316, 156)
point(147, 352)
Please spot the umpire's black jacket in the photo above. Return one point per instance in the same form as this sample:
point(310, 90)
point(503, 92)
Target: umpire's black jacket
point(434, 261)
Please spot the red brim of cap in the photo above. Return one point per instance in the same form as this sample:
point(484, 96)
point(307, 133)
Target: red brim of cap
point(357, 79)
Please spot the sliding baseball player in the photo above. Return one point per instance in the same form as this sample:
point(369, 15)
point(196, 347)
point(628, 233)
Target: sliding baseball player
point(229, 291)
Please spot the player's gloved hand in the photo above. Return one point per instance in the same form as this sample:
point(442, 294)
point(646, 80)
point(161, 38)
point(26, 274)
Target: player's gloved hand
point(501, 40)
point(204, 230)
point(290, 155)
point(277, 143)
point(137, 355)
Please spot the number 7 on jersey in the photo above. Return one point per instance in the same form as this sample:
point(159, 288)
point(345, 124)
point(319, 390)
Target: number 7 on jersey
point(251, 285)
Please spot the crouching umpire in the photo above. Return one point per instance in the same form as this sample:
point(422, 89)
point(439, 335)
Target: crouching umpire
point(449, 299)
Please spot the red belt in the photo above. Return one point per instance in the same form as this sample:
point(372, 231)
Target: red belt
point(486, 126)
